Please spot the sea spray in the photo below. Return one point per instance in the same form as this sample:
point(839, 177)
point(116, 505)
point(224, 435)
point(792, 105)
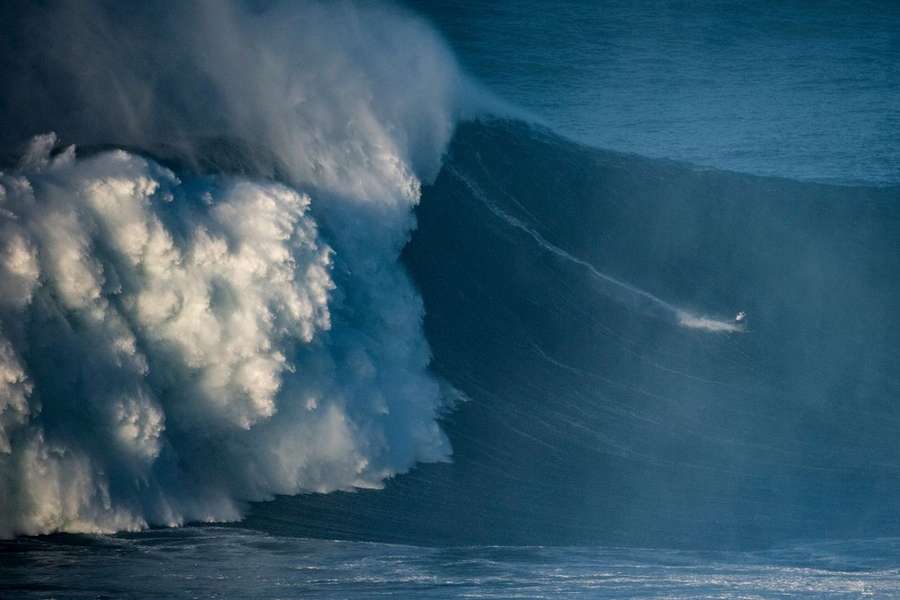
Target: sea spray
point(174, 345)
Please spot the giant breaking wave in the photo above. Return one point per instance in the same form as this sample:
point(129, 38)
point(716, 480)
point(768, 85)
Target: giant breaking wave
point(177, 340)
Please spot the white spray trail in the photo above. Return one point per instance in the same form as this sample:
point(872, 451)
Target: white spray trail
point(625, 292)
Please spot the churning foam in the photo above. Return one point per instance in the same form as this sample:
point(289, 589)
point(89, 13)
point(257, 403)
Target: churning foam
point(172, 346)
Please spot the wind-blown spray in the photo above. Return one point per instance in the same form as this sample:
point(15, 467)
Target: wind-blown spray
point(173, 345)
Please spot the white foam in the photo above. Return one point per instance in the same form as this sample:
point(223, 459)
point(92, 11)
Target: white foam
point(686, 319)
point(170, 350)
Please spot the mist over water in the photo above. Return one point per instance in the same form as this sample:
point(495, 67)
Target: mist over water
point(176, 344)
point(288, 265)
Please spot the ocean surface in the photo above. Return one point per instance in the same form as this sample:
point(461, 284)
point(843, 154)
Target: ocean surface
point(460, 329)
point(216, 562)
point(804, 90)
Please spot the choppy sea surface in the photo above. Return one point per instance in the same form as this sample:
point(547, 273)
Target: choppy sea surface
point(227, 562)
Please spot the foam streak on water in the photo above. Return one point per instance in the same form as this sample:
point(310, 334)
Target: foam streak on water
point(180, 563)
point(625, 292)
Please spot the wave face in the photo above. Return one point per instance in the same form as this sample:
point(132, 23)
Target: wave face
point(177, 340)
point(590, 416)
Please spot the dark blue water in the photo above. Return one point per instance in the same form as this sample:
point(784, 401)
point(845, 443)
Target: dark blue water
point(805, 90)
point(661, 160)
point(592, 412)
point(239, 563)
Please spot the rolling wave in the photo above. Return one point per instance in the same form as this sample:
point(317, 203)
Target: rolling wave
point(590, 413)
point(179, 334)
point(230, 292)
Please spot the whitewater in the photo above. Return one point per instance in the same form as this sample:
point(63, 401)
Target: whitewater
point(178, 340)
point(291, 305)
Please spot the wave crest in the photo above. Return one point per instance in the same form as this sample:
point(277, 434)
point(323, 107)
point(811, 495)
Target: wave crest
point(173, 345)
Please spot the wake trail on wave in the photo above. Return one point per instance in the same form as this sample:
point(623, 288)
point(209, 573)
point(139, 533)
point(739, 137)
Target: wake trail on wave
point(620, 290)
